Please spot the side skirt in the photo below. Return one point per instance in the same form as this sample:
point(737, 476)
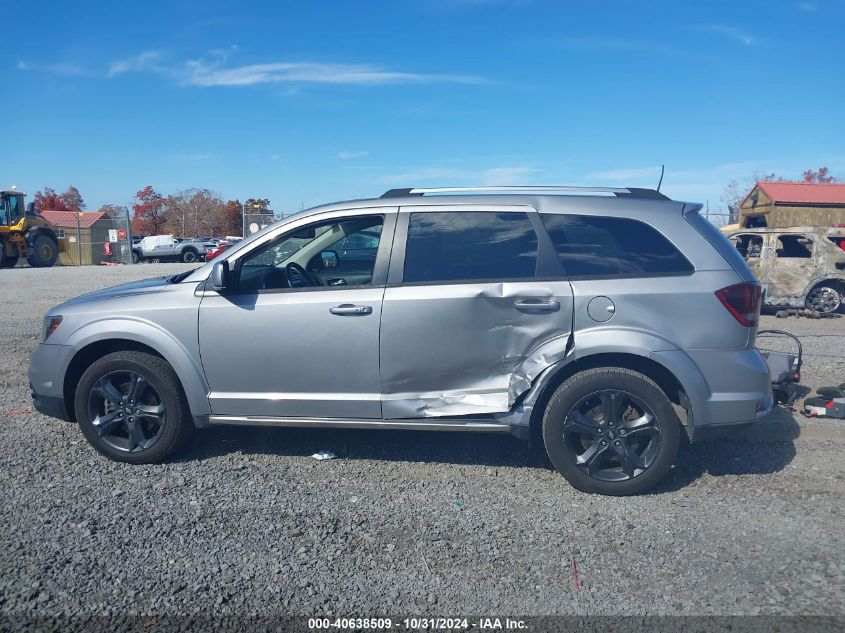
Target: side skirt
point(441, 424)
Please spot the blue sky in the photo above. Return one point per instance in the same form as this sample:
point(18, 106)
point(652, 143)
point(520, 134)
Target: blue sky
point(309, 102)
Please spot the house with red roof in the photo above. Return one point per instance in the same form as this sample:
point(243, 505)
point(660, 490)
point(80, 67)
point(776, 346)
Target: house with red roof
point(84, 234)
point(782, 204)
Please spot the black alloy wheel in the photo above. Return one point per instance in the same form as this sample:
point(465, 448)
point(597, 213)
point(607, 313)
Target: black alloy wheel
point(126, 411)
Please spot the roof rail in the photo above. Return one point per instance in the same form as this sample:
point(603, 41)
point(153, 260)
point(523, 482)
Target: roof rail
point(621, 192)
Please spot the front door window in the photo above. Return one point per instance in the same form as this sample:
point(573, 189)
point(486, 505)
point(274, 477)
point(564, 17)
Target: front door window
point(315, 256)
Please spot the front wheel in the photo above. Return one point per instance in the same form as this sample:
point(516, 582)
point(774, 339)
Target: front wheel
point(44, 252)
point(129, 406)
point(189, 256)
point(611, 431)
point(824, 299)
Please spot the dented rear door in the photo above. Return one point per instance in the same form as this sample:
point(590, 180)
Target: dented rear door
point(472, 313)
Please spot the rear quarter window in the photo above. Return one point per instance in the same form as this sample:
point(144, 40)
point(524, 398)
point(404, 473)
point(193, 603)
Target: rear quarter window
point(589, 246)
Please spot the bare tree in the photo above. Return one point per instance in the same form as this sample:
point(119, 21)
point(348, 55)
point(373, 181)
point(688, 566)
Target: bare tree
point(114, 211)
point(735, 192)
point(195, 213)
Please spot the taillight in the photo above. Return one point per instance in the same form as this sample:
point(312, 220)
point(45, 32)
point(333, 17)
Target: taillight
point(743, 301)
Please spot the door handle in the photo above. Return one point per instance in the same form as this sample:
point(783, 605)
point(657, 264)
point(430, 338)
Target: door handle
point(349, 309)
point(539, 305)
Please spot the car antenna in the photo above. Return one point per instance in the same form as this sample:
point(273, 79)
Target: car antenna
point(660, 182)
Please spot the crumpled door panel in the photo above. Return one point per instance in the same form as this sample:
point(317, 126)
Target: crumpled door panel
point(464, 349)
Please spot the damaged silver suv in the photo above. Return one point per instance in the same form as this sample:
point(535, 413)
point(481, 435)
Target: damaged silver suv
point(604, 323)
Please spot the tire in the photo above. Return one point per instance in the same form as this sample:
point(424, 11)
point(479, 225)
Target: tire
point(136, 257)
point(189, 256)
point(578, 454)
point(823, 298)
point(9, 261)
point(147, 438)
point(44, 252)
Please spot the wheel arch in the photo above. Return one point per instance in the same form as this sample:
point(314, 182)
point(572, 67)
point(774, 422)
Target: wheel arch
point(660, 374)
point(191, 382)
point(829, 280)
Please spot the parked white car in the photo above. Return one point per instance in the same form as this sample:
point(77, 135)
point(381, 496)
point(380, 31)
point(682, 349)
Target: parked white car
point(159, 248)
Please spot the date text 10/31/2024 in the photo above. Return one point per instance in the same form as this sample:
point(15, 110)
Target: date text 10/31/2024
point(417, 623)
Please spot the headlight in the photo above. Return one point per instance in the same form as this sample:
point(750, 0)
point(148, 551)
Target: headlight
point(51, 324)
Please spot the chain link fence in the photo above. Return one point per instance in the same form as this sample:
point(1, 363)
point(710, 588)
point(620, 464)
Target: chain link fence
point(254, 222)
point(95, 239)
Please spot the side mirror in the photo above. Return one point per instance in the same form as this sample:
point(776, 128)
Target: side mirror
point(329, 259)
point(220, 275)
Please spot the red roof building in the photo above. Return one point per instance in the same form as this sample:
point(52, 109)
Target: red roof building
point(85, 235)
point(68, 219)
point(782, 204)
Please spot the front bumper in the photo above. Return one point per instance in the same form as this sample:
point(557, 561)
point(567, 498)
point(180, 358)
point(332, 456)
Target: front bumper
point(52, 406)
point(47, 366)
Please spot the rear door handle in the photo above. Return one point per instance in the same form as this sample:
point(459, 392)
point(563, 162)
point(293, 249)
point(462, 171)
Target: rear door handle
point(538, 305)
point(349, 309)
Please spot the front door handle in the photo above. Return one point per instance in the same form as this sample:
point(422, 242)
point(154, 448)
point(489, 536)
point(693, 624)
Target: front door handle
point(538, 305)
point(349, 309)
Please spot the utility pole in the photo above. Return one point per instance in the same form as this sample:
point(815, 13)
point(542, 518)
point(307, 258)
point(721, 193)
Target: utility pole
point(78, 240)
point(128, 233)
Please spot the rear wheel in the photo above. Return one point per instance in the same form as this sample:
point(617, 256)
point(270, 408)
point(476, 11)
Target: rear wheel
point(611, 431)
point(825, 299)
point(130, 408)
point(189, 256)
point(44, 252)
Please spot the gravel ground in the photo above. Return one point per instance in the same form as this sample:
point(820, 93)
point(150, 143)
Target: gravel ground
point(246, 522)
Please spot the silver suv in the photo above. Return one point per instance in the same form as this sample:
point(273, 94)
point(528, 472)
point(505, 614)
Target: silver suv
point(601, 322)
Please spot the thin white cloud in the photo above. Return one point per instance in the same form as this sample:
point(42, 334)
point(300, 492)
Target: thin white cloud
point(729, 32)
point(69, 70)
point(212, 69)
point(807, 7)
point(506, 175)
point(203, 73)
point(193, 156)
point(275, 156)
point(602, 44)
point(448, 176)
point(146, 61)
point(627, 174)
point(348, 155)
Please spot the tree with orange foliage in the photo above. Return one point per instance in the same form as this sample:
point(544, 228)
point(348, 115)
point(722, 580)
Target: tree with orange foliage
point(232, 218)
point(49, 200)
point(822, 175)
point(149, 212)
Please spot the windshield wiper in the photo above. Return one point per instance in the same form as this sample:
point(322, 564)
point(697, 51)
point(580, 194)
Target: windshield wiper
point(175, 279)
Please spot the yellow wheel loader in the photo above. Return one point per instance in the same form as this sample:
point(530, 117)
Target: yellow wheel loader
point(24, 233)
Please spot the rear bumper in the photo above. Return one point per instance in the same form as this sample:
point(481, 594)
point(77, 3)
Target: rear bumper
point(727, 389)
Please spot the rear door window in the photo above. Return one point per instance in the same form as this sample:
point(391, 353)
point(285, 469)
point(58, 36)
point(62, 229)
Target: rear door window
point(595, 246)
point(794, 246)
point(445, 246)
